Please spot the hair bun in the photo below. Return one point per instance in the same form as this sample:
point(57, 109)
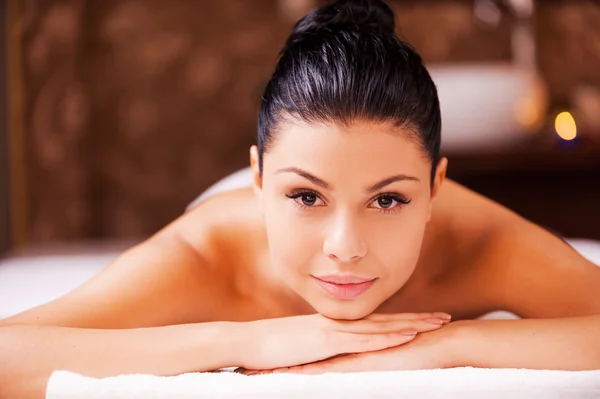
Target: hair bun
point(375, 14)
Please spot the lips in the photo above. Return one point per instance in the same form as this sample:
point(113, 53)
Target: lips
point(344, 287)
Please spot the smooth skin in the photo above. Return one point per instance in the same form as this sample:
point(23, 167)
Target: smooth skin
point(232, 282)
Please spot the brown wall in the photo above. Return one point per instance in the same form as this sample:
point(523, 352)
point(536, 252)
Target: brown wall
point(132, 108)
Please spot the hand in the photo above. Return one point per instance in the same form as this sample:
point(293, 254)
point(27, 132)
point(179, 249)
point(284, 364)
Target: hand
point(290, 341)
point(430, 350)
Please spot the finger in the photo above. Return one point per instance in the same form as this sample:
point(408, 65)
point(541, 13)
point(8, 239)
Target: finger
point(314, 368)
point(307, 369)
point(338, 365)
point(357, 343)
point(241, 370)
point(407, 316)
point(390, 326)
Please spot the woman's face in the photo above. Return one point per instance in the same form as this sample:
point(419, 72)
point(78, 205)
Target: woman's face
point(345, 211)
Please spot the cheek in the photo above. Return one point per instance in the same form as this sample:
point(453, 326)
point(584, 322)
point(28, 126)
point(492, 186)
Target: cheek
point(293, 240)
point(396, 243)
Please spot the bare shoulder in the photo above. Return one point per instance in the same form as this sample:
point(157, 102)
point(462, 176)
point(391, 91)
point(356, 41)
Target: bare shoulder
point(510, 263)
point(462, 222)
point(179, 275)
point(225, 224)
point(456, 203)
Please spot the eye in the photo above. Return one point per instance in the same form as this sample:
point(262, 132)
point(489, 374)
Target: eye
point(385, 201)
point(306, 198)
point(389, 202)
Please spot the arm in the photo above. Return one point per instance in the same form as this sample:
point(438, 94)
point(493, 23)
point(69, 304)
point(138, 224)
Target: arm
point(543, 344)
point(533, 344)
point(163, 281)
point(29, 354)
point(537, 276)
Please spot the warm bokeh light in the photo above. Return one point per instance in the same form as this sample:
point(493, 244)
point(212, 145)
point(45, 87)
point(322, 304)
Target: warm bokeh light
point(528, 112)
point(565, 126)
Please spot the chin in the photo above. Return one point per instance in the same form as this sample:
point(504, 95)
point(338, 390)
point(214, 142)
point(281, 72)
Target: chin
point(344, 310)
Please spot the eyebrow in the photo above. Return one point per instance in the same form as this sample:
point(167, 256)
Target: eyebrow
point(310, 177)
point(322, 183)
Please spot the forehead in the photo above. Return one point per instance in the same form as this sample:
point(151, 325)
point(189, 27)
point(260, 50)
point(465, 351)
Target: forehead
point(362, 147)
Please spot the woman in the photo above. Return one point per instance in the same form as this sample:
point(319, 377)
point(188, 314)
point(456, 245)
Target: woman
point(348, 242)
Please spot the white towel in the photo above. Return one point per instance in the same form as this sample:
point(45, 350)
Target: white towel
point(459, 383)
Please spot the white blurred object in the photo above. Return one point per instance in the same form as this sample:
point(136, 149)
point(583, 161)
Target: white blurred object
point(487, 106)
point(494, 105)
point(487, 12)
point(239, 179)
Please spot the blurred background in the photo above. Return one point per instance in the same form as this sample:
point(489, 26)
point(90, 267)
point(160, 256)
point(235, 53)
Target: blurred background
point(115, 114)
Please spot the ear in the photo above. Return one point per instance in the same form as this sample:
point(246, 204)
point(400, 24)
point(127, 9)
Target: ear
point(438, 180)
point(256, 177)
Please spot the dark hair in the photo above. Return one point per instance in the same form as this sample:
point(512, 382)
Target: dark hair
point(343, 62)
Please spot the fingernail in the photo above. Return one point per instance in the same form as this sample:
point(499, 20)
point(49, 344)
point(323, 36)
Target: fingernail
point(444, 316)
point(409, 332)
point(434, 320)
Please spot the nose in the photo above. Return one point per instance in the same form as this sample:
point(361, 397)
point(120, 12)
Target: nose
point(344, 241)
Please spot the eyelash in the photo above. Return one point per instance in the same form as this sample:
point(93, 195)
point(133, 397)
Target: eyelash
point(387, 211)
